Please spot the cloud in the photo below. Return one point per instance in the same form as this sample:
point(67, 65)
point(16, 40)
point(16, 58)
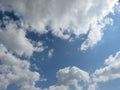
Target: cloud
point(15, 40)
point(95, 34)
point(38, 46)
point(72, 76)
point(64, 17)
point(111, 71)
point(13, 45)
point(11, 68)
point(61, 87)
point(50, 53)
point(93, 86)
point(16, 71)
point(13, 36)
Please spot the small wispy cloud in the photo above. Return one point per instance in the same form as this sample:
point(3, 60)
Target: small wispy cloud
point(50, 53)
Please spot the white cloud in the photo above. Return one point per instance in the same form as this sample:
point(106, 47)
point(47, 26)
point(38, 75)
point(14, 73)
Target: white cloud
point(65, 17)
point(61, 87)
point(38, 46)
point(95, 34)
point(111, 71)
point(43, 80)
point(50, 53)
point(14, 39)
point(72, 76)
point(16, 71)
point(92, 86)
point(13, 45)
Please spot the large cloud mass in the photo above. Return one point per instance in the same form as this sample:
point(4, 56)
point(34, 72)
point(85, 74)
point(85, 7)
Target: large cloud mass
point(64, 17)
point(16, 71)
point(13, 45)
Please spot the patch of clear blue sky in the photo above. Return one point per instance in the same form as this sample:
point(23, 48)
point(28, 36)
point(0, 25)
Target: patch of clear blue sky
point(110, 85)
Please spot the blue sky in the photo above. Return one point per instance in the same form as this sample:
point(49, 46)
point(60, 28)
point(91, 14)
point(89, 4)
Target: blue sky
point(61, 47)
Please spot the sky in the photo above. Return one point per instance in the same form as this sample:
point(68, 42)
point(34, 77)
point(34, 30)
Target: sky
point(59, 45)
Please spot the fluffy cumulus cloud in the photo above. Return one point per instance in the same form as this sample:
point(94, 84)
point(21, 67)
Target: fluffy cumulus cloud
point(38, 46)
point(60, 87)
point(14, 39)
point(72, 76)
point(16, 71)
point(64, 17)
point(92, 86)
point(110, 71)
point(13, 45)
point(95, 35)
